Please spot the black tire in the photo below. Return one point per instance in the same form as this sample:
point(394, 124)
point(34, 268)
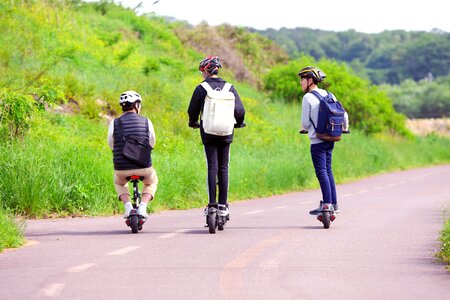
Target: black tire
point(212, 220)
point(134, 224)
point(220, 226)
point(326, 220)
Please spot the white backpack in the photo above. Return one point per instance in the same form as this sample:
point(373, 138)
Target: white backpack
point(218, 111)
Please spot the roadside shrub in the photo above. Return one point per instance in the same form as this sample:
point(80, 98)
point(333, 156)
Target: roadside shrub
point(11, 232)
point(16, 110)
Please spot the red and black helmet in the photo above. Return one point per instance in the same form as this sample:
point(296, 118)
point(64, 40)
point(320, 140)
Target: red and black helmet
point(210, 64)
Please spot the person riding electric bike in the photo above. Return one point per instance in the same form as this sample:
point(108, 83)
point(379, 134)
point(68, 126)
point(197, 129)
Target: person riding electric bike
point(130, 123)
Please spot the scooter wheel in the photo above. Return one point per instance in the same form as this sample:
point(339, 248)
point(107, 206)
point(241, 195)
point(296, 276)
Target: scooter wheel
point(326, 220)
point(220, 226)
point(134, 224)
point(212, 221)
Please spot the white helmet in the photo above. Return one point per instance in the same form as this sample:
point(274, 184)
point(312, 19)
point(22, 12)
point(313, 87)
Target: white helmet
point(130, 96)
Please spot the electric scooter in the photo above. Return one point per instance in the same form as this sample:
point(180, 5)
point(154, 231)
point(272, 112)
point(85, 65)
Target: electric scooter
point(214, 220)
point(327, 214)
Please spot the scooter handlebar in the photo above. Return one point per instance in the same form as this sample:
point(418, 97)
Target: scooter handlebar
point(303, 131)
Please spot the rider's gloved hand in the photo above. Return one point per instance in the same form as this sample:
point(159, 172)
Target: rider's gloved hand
point(242, 125)
point(194, 124)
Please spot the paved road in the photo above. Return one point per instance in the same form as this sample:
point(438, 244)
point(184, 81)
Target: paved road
point(380, 247)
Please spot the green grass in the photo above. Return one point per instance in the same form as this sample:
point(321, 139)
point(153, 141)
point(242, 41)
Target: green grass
point(11, 231)
point(444, 253)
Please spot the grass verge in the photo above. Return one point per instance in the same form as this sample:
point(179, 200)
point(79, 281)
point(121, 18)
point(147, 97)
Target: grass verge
point(11, 231)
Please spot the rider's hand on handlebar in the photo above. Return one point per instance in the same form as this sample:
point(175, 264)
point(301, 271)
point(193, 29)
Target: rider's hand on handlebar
point(242, 125)
point(303, 131)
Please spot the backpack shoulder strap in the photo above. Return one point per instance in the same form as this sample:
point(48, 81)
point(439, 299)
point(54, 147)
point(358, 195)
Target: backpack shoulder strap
point(227, 87)
point(322, 98)
point(206, 86)
point(317, 94)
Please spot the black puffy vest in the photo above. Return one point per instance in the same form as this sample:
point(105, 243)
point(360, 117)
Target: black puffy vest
point(132, 124)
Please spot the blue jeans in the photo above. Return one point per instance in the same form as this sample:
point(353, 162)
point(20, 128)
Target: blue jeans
point(321, 155)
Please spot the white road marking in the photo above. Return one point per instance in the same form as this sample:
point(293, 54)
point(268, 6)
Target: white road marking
point(281, 207)
point(379, 188)
point(362, 191)
point(254, 212)
point(124, 250)
point(80, 268)
point(391, 184)
point(52, 290)
point(171, 234)
point(346, 195)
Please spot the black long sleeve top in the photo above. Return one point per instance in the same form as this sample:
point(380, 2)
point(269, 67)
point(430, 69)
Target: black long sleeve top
point(196, 107)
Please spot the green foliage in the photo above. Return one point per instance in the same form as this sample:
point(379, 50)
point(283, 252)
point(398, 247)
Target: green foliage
point(369, 108)
point(11, 231)
point(64, 168)
point(283, 83)
point(444, 253)
point(424, 99)
point(387, 57)
point(16, 111)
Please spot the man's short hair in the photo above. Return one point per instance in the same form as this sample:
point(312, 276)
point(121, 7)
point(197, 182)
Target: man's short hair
point(127, 106)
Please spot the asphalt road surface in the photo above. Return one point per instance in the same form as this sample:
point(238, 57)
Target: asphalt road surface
point(381, 246)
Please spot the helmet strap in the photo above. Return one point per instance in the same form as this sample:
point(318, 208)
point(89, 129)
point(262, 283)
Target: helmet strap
point(310, 84)
point(206, 74)
point(136, 106)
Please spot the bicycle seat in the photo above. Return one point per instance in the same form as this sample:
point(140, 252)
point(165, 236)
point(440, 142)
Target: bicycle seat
point(135, 177)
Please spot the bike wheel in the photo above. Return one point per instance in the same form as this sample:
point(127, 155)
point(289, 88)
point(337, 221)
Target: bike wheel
point(134, 224)
point(212, 219)
point(326, 219)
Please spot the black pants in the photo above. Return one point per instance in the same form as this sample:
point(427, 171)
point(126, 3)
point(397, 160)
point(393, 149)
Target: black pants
point(217, 158)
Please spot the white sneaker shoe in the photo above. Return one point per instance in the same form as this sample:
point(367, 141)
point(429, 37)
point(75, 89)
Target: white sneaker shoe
point(128, 209)
point(223, 210)
point(142, 210)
